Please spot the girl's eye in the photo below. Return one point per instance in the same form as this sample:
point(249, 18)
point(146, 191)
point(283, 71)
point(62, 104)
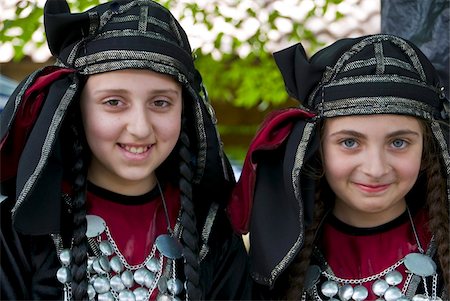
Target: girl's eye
point(349, 143)
point(113, 102)
point(399, 143)
point(161, 103)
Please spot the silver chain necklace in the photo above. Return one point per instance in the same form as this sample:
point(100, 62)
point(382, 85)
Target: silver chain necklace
point(385, 283)
point(111, 277)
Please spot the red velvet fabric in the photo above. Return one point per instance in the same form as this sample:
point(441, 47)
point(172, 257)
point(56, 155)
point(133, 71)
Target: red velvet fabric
point(356, 257)
point(273, 132)
point(26, 115)
point(134, 228)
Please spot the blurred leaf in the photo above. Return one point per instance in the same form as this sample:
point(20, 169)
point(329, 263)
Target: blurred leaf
point(248, 81)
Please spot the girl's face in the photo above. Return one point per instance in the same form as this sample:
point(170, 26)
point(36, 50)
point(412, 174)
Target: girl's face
point(370, 163)
point(132, 120)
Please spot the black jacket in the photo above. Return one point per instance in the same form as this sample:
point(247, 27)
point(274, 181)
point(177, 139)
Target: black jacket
point(29, 263)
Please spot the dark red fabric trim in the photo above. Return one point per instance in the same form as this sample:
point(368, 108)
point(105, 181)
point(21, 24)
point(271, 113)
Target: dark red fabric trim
point(273, 132)
point(27, 113)
point(361, 256)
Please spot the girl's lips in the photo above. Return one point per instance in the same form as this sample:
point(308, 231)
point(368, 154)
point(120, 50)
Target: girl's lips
point(135, 149)
point(372, 188)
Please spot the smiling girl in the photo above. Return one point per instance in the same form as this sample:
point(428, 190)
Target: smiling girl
point(114, 172)
point(347, 197)
point(370, 163)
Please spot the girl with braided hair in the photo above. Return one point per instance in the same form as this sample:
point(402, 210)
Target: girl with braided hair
point(357, 178)
point(115, 179)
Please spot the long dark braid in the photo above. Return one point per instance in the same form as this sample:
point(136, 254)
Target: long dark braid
point(80, 243)
point(297, 270)
point(438, 207)
point(188, 220)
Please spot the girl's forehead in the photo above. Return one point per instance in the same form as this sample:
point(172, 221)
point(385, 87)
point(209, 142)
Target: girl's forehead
point(123, 78)
point(126, 73)
point(371, 122)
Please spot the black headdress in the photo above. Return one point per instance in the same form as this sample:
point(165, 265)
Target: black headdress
point(117, 35)
point(378, 74)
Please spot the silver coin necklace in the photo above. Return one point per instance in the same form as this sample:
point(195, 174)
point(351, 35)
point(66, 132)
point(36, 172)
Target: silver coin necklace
point(384, 284)
point(111, 277)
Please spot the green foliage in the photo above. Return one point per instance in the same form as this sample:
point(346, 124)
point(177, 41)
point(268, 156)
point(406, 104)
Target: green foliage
point(244, 80)
point(29, 20)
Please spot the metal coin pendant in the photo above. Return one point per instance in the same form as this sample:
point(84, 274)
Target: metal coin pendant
point(116, 283)
point(175, 286)
point(65, 256)
point(127, 278)
point(153, 265)
point(95, 226)
point(345, 292)
point(394, 278)
point(392, 294)
point(169, 246)
point(116, 264)
point(126, 295)
point(164, 297)
point(139, 276)
point(101, 285)
point(64, 275)
point(312, 276)
point(90, 268)
point(106, 248)
point(329, 288)
point(91, 292)
point(97, 267)
point(149, 279)
point(360, 293)
point(140, 294)
point(106, 297)
point(420, 264)
point(421, 297)
point(104, 263)
point(379, 287)
point(162, 284)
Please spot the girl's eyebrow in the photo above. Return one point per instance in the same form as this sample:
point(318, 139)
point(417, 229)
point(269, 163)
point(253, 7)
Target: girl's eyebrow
point(125, 91)
point(110, 90)
point(348, 132)
point(360, 135)
point(403, 132)
point(164, 91)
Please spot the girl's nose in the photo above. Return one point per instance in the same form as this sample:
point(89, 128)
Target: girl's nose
point(139, 123)
point(375, 164)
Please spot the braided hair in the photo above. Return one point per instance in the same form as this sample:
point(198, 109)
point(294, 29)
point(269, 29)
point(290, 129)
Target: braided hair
point(77, 165)
point(435, 202)
point(190, 235)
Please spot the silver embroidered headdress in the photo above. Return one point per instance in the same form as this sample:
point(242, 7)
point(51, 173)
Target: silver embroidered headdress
point(377, 74)
point(116, 35)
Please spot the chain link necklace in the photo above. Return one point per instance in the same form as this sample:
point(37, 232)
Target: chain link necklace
point(384, 284)
point(111, 277)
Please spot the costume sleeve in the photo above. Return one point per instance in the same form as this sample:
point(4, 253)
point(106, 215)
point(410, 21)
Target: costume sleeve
point(225, 270)
point(28, 264)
